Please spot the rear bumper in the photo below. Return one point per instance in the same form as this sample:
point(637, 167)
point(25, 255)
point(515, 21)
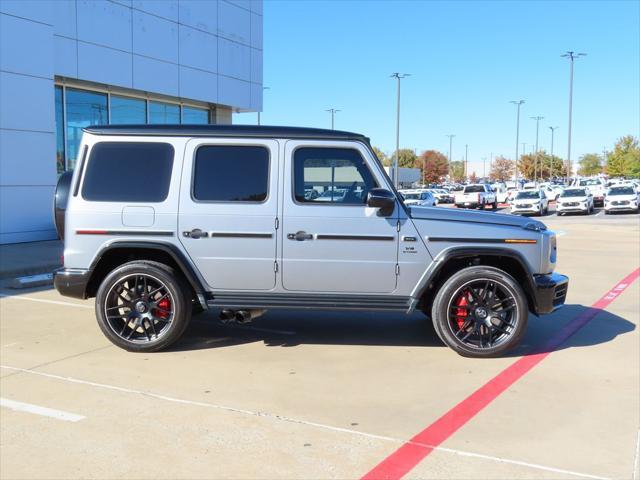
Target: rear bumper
point(550, 292)
point(71, 282)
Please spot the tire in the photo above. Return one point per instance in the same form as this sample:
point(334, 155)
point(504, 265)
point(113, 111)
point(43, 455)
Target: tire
point(606, 212)
point(559, 213)
point(511, 317)
point(481, 206)
point(494, 206)
point(145, 300)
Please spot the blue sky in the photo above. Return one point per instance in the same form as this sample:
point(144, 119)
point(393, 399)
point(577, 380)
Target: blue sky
point(467, 60)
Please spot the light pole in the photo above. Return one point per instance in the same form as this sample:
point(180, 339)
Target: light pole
point(518, 103)
point(484, 162)
point(333, 112)
point(397, 76)
point(466, 158)
point(263, 89)
point(535, 161)
point(604, 158)
point(571, 56)
point(450, 145)
point(553, 129)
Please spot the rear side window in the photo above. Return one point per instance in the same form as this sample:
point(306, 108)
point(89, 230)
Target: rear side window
point(128, 172)
point(231, 174)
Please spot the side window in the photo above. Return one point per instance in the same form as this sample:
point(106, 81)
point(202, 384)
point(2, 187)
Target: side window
point(231, 174)
point(327, 176)
point(128, 172)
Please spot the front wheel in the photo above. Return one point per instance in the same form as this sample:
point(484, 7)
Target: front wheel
point(480, 312)
point(495, 205)
point(143, 306)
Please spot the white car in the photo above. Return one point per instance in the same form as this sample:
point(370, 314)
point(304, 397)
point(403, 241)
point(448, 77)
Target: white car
point(421, 198)
point(597, 188)
point(530, 202)
point(621, 198)
point(575, 200)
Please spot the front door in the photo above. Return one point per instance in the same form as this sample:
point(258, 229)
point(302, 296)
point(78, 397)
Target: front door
point(331, 241)
point(228, 209)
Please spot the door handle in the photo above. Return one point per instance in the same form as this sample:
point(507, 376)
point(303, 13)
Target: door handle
point(195, 233)
point(300, 236)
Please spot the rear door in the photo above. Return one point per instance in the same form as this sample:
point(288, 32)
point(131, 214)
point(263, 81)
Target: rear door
point(228, 210)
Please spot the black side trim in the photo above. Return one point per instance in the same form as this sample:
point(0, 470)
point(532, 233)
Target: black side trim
point(383, 238)
point(172, 250)
point(480, 240)
point(144, 233)
point(240, 235)
point(313, 301)
point(80, 172)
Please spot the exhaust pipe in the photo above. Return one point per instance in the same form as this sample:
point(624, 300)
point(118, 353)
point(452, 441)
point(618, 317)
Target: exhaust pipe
point(227, 315)
point(247, 316)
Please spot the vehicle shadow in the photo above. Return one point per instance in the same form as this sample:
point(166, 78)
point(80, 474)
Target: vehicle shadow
point(286, 328)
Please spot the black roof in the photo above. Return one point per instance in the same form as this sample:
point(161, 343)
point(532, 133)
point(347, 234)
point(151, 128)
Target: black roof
point(255, 131)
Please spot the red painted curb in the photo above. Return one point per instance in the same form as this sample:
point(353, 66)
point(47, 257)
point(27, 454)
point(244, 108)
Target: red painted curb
point(405, 458)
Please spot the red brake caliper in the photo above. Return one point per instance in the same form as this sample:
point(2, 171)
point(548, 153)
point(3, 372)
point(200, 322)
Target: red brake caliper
point(165, 305)
point(461, 313)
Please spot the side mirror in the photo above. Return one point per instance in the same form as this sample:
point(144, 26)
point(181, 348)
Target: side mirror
point(382, 199)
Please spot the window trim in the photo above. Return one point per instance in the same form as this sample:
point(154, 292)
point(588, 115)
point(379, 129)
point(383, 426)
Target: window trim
point(87, 164)
point(325, 204)
point(226, 202)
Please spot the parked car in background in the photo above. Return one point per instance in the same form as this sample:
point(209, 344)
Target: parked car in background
point(442, 196)
point(530, 186)
point(551, 193)
point(501, 191)
point(621, 198)
point(575, 200)
point(530, 202)
point(422, 198)
point(596, 187)
point(478, 195)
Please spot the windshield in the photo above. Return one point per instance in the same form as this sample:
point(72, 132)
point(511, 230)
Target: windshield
point(621, 191)
point(411, 196)
point(528, 194)
point(589, 183)
point(578, 192)
point(474, 189)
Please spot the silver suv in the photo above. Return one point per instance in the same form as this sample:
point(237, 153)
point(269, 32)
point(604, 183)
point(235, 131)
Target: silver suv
point(159, 221)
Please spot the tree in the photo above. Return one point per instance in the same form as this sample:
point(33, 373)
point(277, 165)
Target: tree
point(456, 170)
point(501, 169)
point(384, 159)
point(624, 161)
point(407, 158)
point(547, 166)
point(473, 178)
point(433, 165)
point(590, 164)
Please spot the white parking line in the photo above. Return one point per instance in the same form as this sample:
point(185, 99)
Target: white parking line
point(38, 410)
point(42, 300)
point(276, 417)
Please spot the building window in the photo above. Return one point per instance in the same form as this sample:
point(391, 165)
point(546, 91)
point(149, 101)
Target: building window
point(105, 182)
point(83, 108)
point(127, 110)
point(162, 113)
point(231, 174)
point(331, 176)
point(193, 115)
point(59, 131)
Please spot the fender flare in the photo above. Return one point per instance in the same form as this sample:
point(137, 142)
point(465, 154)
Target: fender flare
point(452, 253)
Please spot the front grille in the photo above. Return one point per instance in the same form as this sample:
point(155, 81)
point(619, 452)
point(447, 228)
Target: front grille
point(620, 202)
point(570, 204)
point(560, 294)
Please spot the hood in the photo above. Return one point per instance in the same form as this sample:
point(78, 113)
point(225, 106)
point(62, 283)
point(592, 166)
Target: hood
point(451, 215)
point(526, 200)
point(572, 199)
point(630, 196)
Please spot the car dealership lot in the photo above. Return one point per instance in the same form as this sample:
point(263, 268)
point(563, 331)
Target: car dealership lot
point(327, 395)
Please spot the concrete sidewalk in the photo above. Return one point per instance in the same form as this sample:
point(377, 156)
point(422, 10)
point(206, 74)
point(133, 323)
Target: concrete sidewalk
point(20, 259)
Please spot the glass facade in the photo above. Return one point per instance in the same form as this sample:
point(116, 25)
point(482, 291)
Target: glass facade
point(77, 108)
point(193, 115)
point(83, 108)
point(162, 113)
point(127, 110)
point(59, 131)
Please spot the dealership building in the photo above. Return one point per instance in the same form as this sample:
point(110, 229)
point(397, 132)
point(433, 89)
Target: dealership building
point(67, 64)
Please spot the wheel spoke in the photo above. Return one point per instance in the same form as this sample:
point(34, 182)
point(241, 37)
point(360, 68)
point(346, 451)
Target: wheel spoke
point(133, 329)
point(118, 307)
point(144, 329)
point(485, 291)
point(153, 327)
point(463, 328)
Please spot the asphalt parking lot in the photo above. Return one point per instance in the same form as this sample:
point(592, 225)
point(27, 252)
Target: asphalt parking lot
point(327, 395)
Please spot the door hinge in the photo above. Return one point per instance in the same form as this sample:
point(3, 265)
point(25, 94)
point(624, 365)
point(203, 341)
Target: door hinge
point(275, 267)
point(397, 269)
point(398, 225)
point(277, 223)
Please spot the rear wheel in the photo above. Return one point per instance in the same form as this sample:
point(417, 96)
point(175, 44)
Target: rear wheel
point(143, 306)
point(495, 205)
point(480, 312)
